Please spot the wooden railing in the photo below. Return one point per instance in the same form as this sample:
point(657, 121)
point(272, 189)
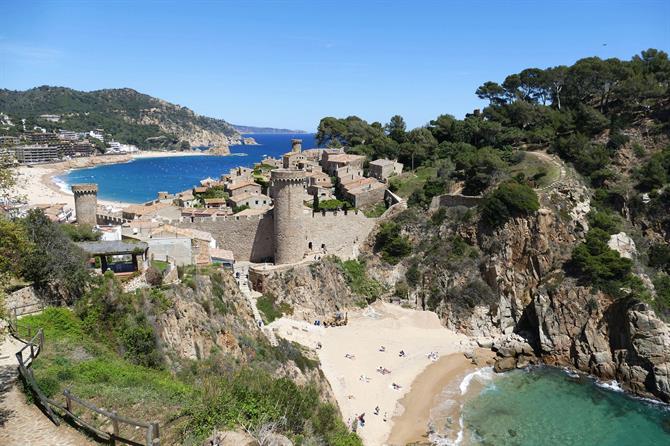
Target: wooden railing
point(25, 358)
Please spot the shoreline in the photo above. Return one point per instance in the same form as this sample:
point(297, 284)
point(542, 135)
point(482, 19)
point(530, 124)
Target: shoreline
point(350, 357)
point(427, 393)
point(37, 184)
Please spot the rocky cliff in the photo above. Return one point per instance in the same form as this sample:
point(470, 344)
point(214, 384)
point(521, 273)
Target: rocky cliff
point(509, 289)
point(313, 291)
point(212, 314)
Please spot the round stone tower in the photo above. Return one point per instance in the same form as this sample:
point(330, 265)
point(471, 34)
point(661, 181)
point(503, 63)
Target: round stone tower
point(86, 203)
point(296, 145)
point(289, 225)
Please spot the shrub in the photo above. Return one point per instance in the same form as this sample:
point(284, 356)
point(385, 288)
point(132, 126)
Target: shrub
point(359, 282)
point(153, 276)
point(80, 232)
point(607, 221)
point(270, 310)
point(600, 265)
point(510, 199)
point(659, 256)
point(393, 246)
point(331, 205)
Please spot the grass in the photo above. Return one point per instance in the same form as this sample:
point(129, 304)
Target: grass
point(270, 310)
point(409, 182)
point(359, 282)
point(160, 265)
point(375, 211)
point(73, 360)
point(532, 165)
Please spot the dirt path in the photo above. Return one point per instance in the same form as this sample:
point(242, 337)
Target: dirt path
point(21, 423)
point(553, 159)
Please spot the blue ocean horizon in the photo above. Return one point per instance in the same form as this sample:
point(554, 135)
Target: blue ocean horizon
point(140, 180)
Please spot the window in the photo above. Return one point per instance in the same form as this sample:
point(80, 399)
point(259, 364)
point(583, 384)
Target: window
point(310, 246)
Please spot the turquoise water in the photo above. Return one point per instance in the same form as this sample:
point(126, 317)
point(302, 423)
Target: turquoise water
point(140, 180)
point(545, 406)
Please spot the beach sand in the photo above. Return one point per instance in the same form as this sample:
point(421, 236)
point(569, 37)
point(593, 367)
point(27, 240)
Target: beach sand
point(36, 184)
point(428, 392)
point(356, 384)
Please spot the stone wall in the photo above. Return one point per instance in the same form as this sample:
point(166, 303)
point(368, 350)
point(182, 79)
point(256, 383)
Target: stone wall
point(364, 198)
point(340, 233)
point(451, 200)
point(26, 298)
point(179, 248)
point(249, 238)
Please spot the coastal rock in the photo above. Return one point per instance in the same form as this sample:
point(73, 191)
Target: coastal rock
point(219, 150)
point(504, 364)
point(619, 340)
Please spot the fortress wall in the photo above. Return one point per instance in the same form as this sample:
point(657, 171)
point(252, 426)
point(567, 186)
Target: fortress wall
point(341, 233)
point(249, 238)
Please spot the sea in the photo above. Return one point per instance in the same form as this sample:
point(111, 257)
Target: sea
point(546, 406)
point(141, 179)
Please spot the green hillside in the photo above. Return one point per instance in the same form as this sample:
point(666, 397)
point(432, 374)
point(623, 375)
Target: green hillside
point(127, 115)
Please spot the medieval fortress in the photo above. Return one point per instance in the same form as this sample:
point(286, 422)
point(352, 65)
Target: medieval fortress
point(246, 225)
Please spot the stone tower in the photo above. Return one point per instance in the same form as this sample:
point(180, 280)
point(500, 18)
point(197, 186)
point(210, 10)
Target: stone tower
point(289, 225)
point(296, 145)
point(86, 203)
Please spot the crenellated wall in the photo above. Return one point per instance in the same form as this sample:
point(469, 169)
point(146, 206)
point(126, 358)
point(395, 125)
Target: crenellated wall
point(339, 233)
point(251, 238)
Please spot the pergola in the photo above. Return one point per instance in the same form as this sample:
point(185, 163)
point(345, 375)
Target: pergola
point(125, 257)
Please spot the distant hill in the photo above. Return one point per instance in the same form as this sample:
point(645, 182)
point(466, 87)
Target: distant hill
point(129, 116)
point(251, 129)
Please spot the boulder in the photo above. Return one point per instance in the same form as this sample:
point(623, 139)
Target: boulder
point(504, 364)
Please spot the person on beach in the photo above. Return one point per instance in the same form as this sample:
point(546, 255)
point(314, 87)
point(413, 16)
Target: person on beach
point(384, 417)
point(376, 410)
point(349, 356)
point(402, 353)
point(361, 419)
point(382, 349)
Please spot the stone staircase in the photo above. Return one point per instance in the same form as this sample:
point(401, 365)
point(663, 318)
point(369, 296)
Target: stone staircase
point(252, 299)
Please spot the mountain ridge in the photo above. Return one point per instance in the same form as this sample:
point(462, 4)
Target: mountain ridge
point(129, 116)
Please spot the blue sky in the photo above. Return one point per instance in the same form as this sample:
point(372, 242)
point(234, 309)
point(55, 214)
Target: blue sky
point(290, 63)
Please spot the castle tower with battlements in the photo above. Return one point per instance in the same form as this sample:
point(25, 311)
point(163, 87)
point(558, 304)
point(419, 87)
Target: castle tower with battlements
point(86, 203)
point(289, 220)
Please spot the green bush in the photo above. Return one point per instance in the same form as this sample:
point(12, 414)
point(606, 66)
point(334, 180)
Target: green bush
point(267, 305)
point(331, 205)
point(509, 200)
point(607, 221)
point(659, 256)
point(80, 232)
point(600, 265)
point(393, 246)
point(359, 282)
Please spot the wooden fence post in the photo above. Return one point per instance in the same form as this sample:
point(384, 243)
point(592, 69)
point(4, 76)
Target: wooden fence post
point(68, 401)
point(156, 440)
point(115, 425)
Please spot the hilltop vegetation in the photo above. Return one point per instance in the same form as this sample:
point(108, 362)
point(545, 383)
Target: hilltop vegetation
point(131, 117)
point(608, 120)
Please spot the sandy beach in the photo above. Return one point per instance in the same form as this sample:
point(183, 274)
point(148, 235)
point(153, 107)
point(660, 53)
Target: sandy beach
point(36, 184)
point(350, 356)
